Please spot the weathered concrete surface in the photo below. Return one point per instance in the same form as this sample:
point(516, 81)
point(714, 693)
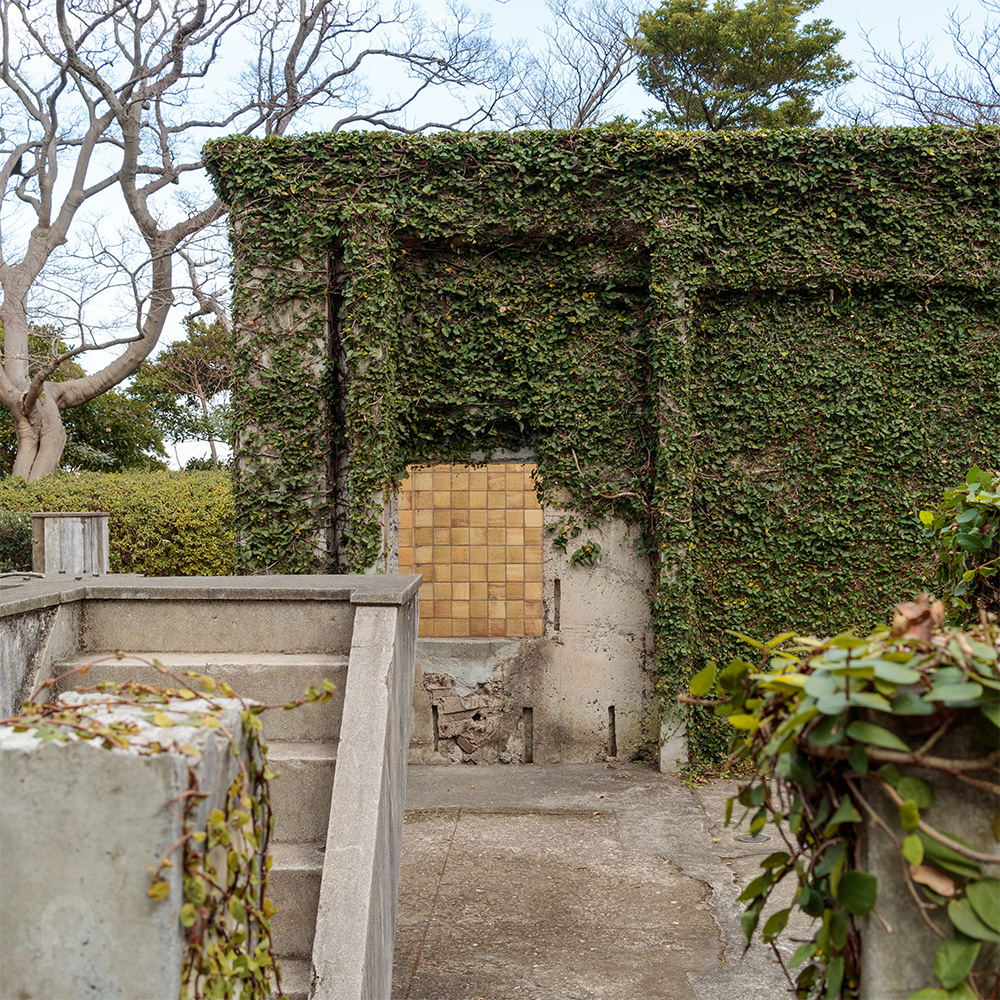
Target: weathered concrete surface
point(355, 924)
point(574, 882)
point(898, 962)
point(79, 828)
point(550, 698)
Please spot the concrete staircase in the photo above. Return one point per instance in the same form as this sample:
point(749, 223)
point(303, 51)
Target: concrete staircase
point(338, 805)
point(302, 747)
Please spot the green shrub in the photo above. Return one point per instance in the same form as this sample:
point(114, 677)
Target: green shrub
point(162, 523)
point(15, 541)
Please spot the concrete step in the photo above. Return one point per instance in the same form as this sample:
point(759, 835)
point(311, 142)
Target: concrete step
point(300, 797)
point(187, 620)
point(296, 978)
point(269, 678)
point(293, 886)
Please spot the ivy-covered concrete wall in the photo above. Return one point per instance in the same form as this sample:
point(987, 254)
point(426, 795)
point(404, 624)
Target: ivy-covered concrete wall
point(765, 350)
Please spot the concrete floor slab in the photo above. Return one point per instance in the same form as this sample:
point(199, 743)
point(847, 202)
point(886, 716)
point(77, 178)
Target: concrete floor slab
point(573, 882)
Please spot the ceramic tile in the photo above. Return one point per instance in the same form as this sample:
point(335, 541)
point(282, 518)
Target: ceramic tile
point(442, 536)
point(460, 627)
point(477, 499)
point(496, 517)
point(460, 536)
point(460, 572)
point(477, 571)
point(459, 518)
point(514, 590)
point(533, 518)
point(498, 628)
point(477, 518)
point(478, 536)
point(423, 554)
point(423, 536)
point(459, 554)
point(442, 628)
point(477, 627)
point(515, 626)
point(460, 610)
point(515, 572)
point(532, 627)
point(477, 609)
point(442, 517)
point(496, 572)
point(423, 518)
point(405, 557)
point(533, 591)
point(478, 590)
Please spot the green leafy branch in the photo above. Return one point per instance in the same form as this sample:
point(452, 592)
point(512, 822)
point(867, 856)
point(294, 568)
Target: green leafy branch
point(840, 731)
point(965, 529)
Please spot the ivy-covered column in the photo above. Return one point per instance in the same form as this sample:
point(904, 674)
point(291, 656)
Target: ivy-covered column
point(368, 338)
point(282, 480)
point(670, 364)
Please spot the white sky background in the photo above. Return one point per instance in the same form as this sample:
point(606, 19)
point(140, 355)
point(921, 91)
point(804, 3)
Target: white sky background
point(885, 21)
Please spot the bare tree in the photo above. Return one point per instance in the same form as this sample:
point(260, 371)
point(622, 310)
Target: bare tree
point(108, 102)
point(587, 58)
point(915, 90)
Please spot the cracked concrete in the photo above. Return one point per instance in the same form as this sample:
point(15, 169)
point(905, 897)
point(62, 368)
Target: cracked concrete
point(574, 882)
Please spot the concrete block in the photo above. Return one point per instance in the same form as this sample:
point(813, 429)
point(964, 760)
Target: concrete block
point(79, 828)
point(217, 625)
point(293, 886)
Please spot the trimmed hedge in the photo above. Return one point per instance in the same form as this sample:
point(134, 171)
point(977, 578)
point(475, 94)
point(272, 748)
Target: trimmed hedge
point(162, 523)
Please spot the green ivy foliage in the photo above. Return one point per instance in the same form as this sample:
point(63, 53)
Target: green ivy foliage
point(764, 350)
point(844, 733)
point(161, 523)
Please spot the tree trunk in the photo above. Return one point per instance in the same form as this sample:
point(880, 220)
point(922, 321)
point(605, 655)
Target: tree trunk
point(40, 439)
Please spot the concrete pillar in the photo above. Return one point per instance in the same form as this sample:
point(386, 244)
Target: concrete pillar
point(80, 827)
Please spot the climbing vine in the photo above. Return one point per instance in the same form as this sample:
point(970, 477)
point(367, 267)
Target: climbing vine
point(224, 855)
point(865, 732)
point(763, 350)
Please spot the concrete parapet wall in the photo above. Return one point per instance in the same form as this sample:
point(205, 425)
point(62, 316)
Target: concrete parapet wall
point(352, 955)
point(372, 620)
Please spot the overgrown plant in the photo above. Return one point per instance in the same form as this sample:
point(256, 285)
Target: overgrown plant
point(735, 342)
point(226, 911)
point(965, 530)
point(844, 732)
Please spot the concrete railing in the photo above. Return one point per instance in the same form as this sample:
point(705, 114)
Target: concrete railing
point(370, 620)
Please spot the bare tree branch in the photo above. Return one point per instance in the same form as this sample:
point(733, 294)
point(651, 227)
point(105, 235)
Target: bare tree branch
point(915, 90)
point(116, 98)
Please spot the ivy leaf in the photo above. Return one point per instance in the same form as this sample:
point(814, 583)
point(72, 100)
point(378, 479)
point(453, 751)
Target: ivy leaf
point(159, 890)
point(954, 959)
point(984, 896)
point(188, 915)
point(954, 693)
point(916, 789)
point(868, 732)
point(703, 681)
point(965, 919)
point(913, 849)
point(858, 891)
point(775, 924)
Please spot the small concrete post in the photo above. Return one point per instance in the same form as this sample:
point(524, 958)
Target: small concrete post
point(70, 543)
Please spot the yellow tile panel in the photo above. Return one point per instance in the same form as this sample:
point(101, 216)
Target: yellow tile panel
point(476, 535)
